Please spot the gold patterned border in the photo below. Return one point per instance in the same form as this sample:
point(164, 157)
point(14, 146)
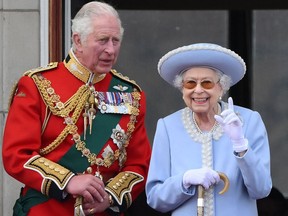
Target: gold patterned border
point(123, 184)
point(49, 170)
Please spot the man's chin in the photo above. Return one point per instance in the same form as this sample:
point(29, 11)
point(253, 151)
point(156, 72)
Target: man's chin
point(102, 70)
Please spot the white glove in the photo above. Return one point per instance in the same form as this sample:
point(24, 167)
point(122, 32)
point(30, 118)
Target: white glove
point(232, 126)
point(203, 176)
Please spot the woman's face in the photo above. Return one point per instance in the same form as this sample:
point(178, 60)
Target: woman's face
point(201, 90)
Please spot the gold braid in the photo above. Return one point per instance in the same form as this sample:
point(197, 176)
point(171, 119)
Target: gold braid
point(76, 103)
point(50, 98)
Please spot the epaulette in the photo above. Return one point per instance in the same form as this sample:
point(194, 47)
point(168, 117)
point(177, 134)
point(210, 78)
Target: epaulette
point(49, 66)
point(30, 73)
point(121, 76)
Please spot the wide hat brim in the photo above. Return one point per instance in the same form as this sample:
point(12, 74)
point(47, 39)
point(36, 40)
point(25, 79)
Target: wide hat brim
point(201, 55)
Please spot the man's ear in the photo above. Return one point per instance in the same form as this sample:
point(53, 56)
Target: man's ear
point(77, 41)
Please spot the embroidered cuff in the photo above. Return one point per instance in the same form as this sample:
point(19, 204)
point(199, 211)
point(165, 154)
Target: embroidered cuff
point(120, 187)
point(49, 170)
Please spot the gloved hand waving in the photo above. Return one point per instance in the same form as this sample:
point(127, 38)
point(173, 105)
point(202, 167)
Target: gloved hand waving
point(232, 126)
point(203, 176)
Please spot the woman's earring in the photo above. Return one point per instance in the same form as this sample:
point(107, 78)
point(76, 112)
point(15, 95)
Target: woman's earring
point(220, 98)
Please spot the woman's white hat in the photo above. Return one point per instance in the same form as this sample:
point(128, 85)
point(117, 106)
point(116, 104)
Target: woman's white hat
point(201, 55)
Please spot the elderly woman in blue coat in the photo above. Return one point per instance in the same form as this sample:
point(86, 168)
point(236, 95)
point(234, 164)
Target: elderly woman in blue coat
point(208, 136)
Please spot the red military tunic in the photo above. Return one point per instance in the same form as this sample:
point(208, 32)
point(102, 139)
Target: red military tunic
point(45, 142)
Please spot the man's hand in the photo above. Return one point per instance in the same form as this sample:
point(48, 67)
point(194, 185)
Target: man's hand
point(96, 207)
point(88, 186)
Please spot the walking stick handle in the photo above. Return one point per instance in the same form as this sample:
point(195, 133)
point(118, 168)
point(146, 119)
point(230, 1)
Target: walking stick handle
point(226, 181)
point(200, 200)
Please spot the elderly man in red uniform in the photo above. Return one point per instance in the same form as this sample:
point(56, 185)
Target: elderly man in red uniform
point(75, 134)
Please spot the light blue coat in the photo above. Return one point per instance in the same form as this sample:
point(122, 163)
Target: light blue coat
point(174, 152)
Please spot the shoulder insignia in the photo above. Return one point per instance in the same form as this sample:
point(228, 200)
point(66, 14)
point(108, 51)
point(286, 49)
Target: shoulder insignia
point(12, 94)
point(121, 76)
point(40, 69)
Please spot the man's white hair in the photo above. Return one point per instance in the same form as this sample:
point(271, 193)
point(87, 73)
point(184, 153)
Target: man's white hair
point(82, 24)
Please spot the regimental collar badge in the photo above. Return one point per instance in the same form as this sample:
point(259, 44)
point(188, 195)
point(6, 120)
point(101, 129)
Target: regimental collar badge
point(79, 70)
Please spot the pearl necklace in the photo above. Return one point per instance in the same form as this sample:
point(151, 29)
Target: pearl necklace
point(197, 127)
point(195, 132)
point(204, 138)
